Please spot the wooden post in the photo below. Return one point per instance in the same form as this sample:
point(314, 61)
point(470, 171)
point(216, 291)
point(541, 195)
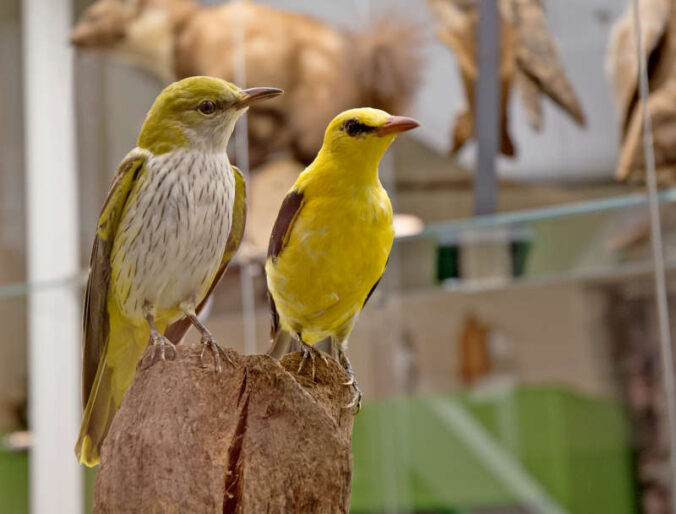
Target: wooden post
point(255, 438)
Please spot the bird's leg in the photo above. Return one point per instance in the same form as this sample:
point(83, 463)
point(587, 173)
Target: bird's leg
point(334, 349)
point(281, 344)
point(157, 339)
point(310, 352)
point(207, 340)
point(345, 362)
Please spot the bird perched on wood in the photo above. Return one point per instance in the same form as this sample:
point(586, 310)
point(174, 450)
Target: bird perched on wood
point(658, 35)
point(332, 238)
point(173, 218)
point(528, 56)
point(322, 69)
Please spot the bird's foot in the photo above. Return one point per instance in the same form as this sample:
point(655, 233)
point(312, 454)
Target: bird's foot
point(352, 381)
point(356, 399)
point(161, 342)
point(310, 352)
point(208, 341)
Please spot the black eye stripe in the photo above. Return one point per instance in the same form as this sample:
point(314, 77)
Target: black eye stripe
point(353, 127)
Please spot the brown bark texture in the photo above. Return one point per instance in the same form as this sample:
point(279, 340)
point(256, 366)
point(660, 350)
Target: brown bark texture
point(256, 438)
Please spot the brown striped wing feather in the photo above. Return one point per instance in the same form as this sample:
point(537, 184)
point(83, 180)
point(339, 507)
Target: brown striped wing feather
point(95, 322)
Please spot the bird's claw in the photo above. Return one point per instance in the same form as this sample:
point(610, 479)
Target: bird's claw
point(356, 400)
point(351, 381)
point(161, 341)
point(216, 349)
point(310, 352)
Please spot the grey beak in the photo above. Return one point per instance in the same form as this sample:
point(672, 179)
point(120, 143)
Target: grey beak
point(255, 94)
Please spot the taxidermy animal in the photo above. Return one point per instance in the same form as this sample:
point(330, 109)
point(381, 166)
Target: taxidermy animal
point(528, 57)
point(658, 35)
point(332, 238)
point(173, 219)
point(322, 69)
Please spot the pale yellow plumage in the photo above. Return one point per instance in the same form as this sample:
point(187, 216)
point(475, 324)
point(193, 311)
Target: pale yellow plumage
point(173, 219)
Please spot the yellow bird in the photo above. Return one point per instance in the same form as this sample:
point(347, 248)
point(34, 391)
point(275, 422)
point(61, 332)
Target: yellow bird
point(172, 221)
point(332, 237)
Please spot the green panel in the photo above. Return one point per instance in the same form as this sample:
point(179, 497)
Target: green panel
point(89, 482)
point(573, 446)
point(13, 482)
point(404, 459)
point(598, 457)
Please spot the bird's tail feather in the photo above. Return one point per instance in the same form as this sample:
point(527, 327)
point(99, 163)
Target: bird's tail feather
point(388, 60)
point(116, 370)
point(96, 418)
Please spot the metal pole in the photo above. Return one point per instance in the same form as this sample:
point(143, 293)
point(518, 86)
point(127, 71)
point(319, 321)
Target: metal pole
point(487, 107)
point(247, 268)
point(53, 254)
point(668, 379)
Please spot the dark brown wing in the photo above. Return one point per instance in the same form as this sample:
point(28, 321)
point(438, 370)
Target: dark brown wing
point(288, 213)
point(281, 230)
point(95, 323)
point(177, 330)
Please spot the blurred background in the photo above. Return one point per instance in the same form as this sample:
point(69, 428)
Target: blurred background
point(513, 358)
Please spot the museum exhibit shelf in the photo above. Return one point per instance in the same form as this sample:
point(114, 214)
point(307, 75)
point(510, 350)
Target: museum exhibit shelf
point(578, 239)
point(599, 240)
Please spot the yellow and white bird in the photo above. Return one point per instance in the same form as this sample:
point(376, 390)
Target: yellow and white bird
point(332, 237)
point(172, 221)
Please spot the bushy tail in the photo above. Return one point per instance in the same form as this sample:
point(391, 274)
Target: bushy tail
point(388, 63)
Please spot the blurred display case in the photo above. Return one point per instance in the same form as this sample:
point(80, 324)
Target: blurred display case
point(509, 363)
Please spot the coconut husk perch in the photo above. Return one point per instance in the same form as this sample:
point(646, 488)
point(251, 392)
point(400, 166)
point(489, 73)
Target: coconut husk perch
point(255, 438)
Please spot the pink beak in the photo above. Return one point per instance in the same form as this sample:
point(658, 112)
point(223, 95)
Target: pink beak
point(396, 125)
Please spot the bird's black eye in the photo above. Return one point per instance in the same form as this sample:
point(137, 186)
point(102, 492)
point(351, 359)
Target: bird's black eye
point(354, 128)
point(206, 107)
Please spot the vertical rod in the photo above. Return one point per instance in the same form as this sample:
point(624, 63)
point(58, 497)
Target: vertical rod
point(53, 254)
point(247, 268)
point(487, 107)
point(669, 383)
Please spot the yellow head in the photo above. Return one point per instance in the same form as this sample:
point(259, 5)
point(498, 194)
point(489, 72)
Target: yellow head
point(359, 137)
point(197, 113)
